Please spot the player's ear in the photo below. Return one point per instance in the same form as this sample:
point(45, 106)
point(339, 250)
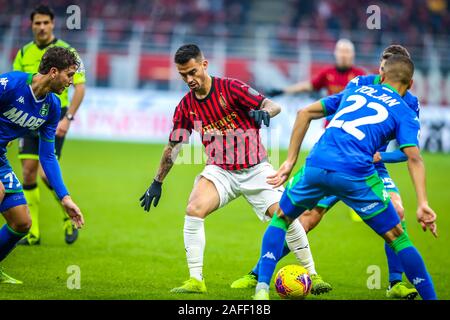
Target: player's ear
point(205, 64)
point(53, 72)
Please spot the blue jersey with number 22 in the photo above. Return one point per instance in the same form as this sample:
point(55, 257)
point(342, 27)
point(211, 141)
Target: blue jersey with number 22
point(365, 118)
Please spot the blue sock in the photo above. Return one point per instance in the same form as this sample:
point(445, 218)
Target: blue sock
point(8, 240)
point(285, 252)
point(272, 248)
point(394, 264)
point(414, 266)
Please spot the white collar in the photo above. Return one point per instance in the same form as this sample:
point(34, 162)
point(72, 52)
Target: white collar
point(36, 100)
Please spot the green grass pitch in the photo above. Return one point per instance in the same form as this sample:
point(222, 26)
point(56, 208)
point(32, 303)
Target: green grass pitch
point(125, 253)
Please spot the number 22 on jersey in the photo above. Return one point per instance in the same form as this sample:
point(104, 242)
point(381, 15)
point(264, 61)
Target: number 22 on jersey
point(351, 126)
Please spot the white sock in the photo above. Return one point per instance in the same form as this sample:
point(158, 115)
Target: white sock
point(261, 286)
point(297, 242)
point(194, 243)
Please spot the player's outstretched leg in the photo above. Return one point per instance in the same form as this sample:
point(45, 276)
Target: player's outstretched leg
point(33, 196)
point(17, 225)
point(203, 200)
point(271, 251)
point(297, 242)
point(194, 241)
point(397, 288)
point(250, 280)
point(410, 258)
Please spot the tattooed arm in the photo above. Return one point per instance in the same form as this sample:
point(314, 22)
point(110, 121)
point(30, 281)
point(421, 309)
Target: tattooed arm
point(168, 158)
point(153, 193)
point(271, 107)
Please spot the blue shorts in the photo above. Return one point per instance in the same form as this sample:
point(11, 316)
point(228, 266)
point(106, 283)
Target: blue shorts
point(13, 188)
point(389, 184)
point(366, 195)
point(328, 202)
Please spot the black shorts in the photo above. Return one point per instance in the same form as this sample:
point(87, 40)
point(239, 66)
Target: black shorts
point(29, 143)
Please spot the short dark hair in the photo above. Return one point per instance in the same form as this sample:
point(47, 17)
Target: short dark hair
point(187, 52)
point(59, 58)
point(42, 9)
point(394, 49)
point(399, 68)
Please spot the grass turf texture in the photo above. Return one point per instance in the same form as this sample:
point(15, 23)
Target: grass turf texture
point(125, 253)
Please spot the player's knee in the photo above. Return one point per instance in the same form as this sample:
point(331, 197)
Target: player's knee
point(310, 218)
point(400, 210)
point(22, 224)
point(394, 233)
point(29, 174)
point(195, 210)
point(2, 192)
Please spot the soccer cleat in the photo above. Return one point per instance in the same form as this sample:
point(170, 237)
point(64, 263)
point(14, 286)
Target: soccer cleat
point(247, 281)
point(29, 240)
point(318, 285)
point(70, 232)
point(401, 291)
point(261, 295)
point(4, 278)
point(192, 285)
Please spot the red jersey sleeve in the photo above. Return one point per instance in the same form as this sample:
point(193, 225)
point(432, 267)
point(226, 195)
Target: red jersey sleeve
point(182, 124)
point(245, 95)
point(320, 80)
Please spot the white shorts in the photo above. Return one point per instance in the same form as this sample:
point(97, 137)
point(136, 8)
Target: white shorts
point(251, 183)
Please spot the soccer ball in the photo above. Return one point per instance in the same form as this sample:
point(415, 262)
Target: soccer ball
point(293, 282)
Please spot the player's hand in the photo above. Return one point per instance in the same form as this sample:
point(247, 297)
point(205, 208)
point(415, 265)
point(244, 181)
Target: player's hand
point(73, 211)
point(63, 127)
point(376, 157)
point(281, 176)
point(427, 219)
point(153, 193)
point(260, 116)
point(274, 92)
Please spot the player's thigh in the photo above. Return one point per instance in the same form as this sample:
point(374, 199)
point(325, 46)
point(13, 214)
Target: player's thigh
point(393, 191)
point(311, 218)
point(212, 190)
point(18, 218)
point(368, 197)
point(2, 192)
point(253, 185)
point(300, 194)
point(398, 204)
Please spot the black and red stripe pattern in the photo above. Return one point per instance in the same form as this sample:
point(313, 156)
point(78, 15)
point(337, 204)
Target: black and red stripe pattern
point(231, 138)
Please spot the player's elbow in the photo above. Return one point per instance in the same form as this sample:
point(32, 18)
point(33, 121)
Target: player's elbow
point(304, 114)
point(415, 158)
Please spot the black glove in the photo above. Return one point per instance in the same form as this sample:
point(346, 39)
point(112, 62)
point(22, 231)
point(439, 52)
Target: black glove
point(274, 92)
point(260, 116)
point(153, 192)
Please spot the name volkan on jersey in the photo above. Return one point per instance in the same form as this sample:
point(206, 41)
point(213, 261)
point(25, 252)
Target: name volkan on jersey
point(24, 119)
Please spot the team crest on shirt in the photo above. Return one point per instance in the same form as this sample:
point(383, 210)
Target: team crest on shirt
point(223, 102)
point(44, 109)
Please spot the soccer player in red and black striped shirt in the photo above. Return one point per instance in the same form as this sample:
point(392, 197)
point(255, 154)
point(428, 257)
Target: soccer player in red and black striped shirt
point(228, 114)
point(334, 78)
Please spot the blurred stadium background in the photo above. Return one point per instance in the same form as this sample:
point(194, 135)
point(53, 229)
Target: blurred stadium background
point(133, 88)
